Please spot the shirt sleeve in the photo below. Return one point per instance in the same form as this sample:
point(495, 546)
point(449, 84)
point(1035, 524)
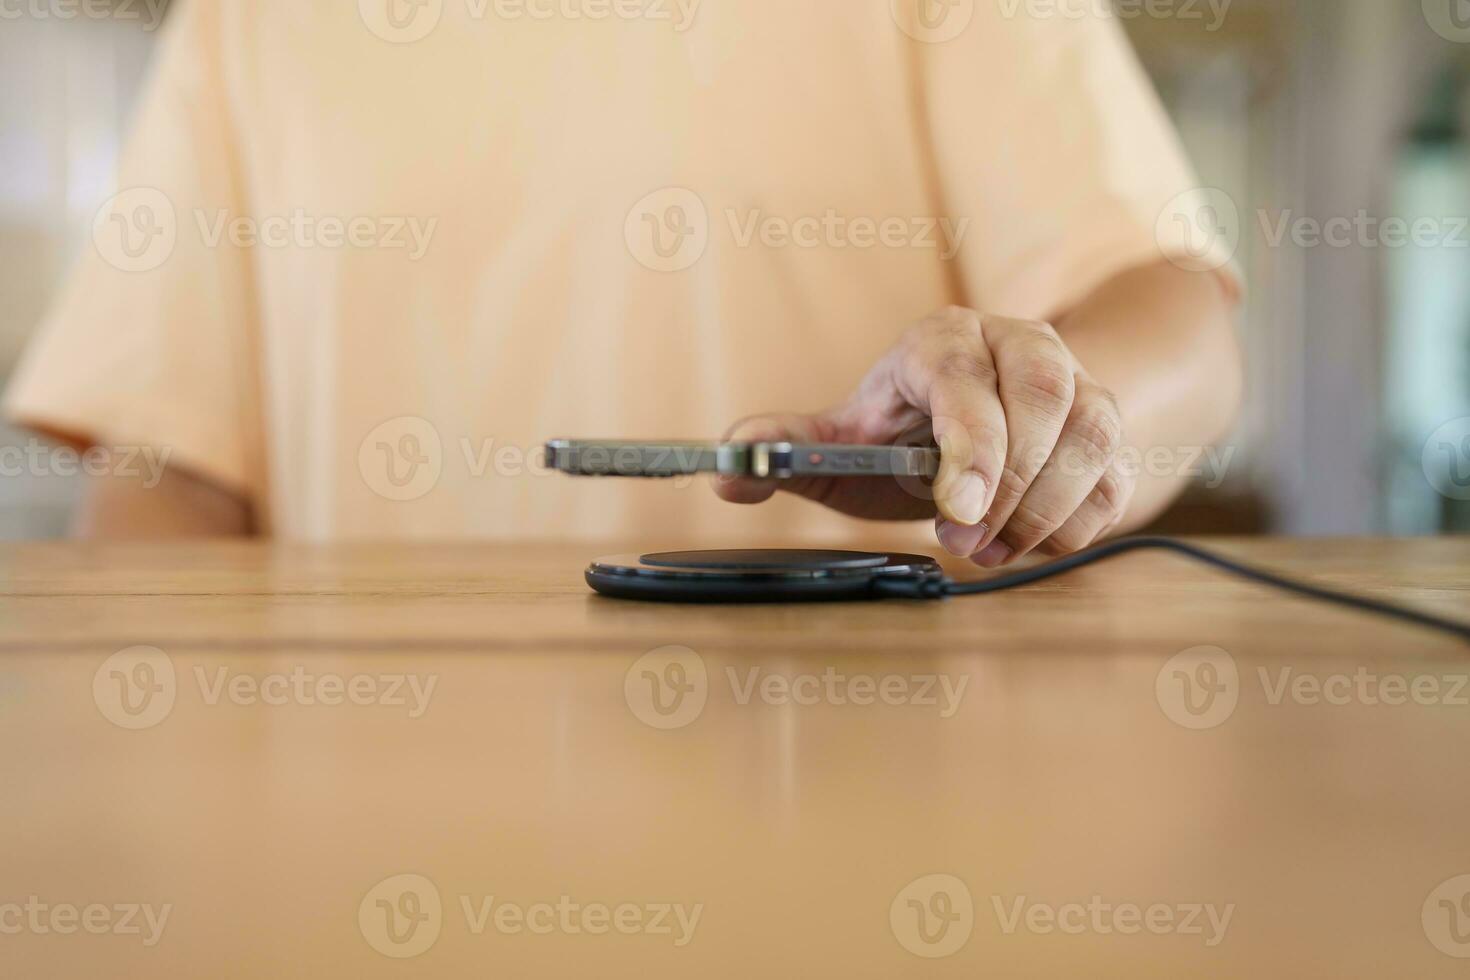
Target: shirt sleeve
point(150, 344)
point(1050, 140)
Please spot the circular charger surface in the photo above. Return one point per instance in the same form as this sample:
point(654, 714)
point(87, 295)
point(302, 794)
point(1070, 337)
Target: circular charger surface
point(774, 560)
point(752, 575)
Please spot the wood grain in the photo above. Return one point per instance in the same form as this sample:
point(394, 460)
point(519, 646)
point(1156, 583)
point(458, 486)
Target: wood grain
point(1058, 765)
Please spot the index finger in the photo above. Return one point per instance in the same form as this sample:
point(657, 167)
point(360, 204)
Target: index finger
point(947, 371)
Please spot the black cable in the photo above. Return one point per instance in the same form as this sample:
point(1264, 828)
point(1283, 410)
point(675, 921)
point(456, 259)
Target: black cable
point(939, 588)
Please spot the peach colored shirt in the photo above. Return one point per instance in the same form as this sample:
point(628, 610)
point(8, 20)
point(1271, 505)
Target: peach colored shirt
point(367, 257)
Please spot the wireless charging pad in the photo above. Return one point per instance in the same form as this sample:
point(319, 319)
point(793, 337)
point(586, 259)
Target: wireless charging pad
point(794, 576)
point(755, 575)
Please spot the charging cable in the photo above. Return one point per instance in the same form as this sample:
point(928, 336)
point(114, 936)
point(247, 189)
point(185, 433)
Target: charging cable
point(940, 587)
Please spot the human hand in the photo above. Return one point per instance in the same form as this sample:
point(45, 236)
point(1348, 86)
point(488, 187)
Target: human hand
point(1027, 440)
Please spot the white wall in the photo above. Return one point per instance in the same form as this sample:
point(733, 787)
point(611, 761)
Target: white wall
point(66, 88)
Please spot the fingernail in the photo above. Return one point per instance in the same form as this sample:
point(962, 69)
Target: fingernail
point(967, 500)
point(996, 553)
point(960, 540)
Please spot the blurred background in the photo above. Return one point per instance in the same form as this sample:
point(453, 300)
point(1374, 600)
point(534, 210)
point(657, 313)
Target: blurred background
point(1328, 124)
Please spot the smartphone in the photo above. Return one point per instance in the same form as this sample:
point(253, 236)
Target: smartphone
point(763, 460)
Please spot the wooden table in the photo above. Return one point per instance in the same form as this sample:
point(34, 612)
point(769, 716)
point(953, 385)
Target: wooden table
point(1143, 769)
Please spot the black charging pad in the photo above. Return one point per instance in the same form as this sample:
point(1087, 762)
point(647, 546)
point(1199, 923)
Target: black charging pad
point(795, 576)
point(755, 575)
